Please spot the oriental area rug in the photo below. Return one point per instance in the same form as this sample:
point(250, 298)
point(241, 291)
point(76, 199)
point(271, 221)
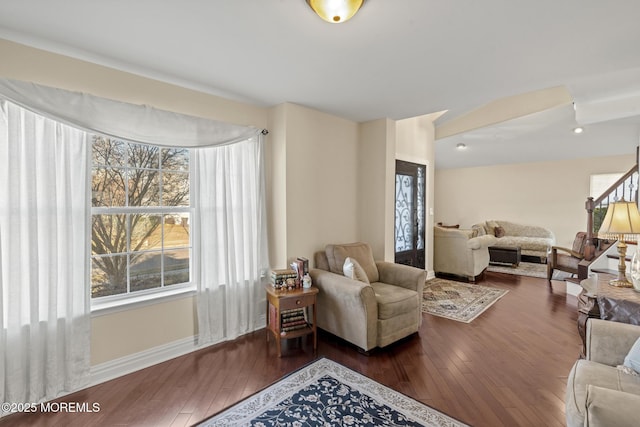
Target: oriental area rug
point(458, 301)
point(325, 393)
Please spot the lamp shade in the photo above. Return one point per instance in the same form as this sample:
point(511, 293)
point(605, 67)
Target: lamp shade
point(335, 11)
point(622, 218)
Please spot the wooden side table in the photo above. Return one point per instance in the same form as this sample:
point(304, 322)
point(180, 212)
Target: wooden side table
point(279, 301)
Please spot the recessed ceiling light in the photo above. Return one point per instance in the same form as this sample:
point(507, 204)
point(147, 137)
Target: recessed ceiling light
point(578, 130)
point(461, 146)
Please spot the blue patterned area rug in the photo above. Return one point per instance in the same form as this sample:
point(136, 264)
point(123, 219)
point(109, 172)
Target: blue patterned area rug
point(325, 393)
point(458, 301)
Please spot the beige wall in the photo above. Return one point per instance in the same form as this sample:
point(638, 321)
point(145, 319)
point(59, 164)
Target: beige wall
point(549, 194)
point(318, 199)
point(415, 143)
point(376, 169)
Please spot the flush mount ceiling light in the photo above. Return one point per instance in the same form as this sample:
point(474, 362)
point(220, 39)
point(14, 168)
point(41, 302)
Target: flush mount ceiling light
point(335, 11)
point(578, 130)
point(461, 146)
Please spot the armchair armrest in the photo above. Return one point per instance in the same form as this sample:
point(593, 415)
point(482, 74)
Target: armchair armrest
point(402, 275)
point(347, 308)
point(609, 342)
point(481, 242)
point(608, 407)
point(573, 253)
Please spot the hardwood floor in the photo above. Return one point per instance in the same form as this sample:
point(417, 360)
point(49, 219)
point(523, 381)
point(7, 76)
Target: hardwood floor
point(507, 368)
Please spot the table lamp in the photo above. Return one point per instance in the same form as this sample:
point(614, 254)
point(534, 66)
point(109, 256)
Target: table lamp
point(622, 218)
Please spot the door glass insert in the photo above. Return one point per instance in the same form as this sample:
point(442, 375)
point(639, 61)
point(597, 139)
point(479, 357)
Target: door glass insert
point(404, 212)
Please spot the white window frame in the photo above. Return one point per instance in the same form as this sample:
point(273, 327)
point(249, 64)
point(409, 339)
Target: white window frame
point(111, 303)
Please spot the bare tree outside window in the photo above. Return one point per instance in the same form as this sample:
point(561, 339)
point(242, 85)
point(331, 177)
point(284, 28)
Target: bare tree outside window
point(140, 217)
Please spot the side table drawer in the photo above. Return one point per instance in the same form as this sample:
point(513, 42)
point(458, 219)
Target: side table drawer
point(299, 301)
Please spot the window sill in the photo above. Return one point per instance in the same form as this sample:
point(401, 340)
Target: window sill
point(108, 307)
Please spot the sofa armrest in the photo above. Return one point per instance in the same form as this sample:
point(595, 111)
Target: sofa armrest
point(482, 242)
point(609, 342)
point(347, 308)
point(608, 407)
point(402, 275)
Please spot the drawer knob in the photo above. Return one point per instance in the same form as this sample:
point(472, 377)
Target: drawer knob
point(298, 302)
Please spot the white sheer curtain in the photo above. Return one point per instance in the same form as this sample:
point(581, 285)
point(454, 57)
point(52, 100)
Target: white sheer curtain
point(231, 256)
point(45, 230)
point(44, 224)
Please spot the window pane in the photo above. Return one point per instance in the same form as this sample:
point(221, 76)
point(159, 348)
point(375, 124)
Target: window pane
point(108, 234)
point(146, 270)
point(176, 230)
point(176, 267)
point(175, 159)
point(108, 275)
point(144, 156)
point(175, 189)
point(144, 187)
point(106, 151)
point(107, 187)
point(146, 232)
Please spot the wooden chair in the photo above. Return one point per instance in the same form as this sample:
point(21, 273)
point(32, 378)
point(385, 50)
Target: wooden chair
point(565, 259)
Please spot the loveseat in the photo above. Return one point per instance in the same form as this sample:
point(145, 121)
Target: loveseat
point(460, 252)
point(533, 241)
point(378, 306)
point(601, 392)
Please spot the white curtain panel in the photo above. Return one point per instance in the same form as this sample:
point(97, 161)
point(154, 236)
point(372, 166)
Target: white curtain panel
point(231, 258)
point(44, 227)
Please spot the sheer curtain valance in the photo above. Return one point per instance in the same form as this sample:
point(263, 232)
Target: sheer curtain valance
point(137, 123)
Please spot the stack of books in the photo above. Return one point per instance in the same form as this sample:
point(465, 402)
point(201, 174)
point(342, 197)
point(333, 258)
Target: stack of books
point(284, 279)
point(293, 319)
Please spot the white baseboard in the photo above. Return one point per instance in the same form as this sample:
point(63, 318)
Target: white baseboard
point(431, 274)
point(125, 365)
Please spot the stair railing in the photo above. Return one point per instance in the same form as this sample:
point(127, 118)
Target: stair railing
point(624, 188)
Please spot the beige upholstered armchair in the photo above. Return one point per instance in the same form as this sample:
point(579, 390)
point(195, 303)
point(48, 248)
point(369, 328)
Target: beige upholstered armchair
point(598, 393)
point(457, 252)
point(380, 305)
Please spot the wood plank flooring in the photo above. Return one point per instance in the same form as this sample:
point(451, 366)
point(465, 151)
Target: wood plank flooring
point(507, 368)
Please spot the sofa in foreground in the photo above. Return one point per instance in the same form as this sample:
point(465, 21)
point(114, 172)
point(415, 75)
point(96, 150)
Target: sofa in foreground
point(379, 303)
point(533, 241)
point(601, 391)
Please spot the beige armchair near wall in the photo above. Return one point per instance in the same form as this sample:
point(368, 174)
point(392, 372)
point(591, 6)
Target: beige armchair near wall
point(381, 308)
point(457, 252)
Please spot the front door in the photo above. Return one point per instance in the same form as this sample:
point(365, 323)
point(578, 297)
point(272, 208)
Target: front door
point(410, 214)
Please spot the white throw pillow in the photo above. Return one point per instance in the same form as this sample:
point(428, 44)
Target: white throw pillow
point(633, 357)
point(353, 270)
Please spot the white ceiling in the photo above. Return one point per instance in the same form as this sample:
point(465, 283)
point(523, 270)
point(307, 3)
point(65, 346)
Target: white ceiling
point(395, 59)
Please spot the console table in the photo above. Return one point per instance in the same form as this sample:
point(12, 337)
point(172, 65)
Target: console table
point(606, 302)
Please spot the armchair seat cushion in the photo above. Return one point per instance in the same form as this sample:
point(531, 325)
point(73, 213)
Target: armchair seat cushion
point(394, 300)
